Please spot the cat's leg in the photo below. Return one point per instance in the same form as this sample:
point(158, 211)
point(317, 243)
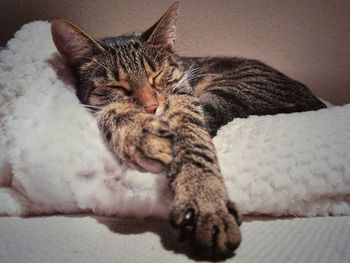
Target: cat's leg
point(201, 207)
point(138, 139)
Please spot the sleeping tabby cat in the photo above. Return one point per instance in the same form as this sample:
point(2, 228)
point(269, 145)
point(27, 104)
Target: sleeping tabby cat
point(158, 111)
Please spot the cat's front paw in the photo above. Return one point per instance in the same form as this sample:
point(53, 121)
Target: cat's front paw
point(154, 152)
point(214, 231)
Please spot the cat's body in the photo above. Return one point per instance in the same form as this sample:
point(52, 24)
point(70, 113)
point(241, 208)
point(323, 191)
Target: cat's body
point(158, 111)
point(232, 88)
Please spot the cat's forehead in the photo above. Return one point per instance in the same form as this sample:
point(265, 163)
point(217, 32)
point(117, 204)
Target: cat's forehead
point(127, 55)
point(125, 48)
point(134, 56)
point(135, 60)
point(120, 40)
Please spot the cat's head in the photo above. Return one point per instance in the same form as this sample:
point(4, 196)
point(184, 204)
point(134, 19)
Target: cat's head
point(141, 66)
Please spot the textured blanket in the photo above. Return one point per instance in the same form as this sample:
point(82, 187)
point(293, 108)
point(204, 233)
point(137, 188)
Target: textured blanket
point(52, 158)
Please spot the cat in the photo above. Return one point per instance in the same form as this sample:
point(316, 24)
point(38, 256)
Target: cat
point(158, 111)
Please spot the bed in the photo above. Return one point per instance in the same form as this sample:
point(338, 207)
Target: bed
point(285, 174)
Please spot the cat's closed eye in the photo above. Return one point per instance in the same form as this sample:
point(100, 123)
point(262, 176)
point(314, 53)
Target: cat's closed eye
point(164, 79)
point(121, 90)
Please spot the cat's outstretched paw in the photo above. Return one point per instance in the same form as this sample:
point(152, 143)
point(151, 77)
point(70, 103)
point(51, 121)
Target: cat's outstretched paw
point(154, 152)
point(215, 233)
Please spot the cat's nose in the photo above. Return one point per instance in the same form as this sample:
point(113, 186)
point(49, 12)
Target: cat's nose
point(151, 109)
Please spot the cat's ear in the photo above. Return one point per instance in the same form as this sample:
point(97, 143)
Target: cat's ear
point(163, 32)
point(71, 42)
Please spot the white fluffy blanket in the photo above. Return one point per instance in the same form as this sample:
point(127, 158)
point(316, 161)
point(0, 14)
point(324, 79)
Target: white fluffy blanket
point(53, 160)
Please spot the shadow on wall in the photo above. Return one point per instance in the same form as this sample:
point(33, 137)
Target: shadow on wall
point(14, 14)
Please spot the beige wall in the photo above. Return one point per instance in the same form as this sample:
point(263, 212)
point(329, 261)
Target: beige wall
point(308, 40)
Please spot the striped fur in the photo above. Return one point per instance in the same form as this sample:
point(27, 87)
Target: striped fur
point(158, 111)
point(237, 88)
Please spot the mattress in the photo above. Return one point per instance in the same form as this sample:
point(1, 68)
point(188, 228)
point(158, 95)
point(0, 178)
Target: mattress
point(84, 238)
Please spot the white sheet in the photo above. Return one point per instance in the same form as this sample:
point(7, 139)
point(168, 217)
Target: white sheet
point(87, 239)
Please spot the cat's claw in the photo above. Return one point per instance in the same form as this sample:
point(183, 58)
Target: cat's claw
point(215, 234)
point(179, 219)
point(189, 216)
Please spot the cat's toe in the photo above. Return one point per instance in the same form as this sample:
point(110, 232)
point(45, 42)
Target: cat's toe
point(154, 151)
point(158, 149)
point(217, 235)
point(183, 218)
point(159, 128)
point(144, 164)
point(231, 207)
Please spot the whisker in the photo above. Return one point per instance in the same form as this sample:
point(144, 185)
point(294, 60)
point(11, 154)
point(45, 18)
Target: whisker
point(91, 106)
point(186, 75)
point(91, 110)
